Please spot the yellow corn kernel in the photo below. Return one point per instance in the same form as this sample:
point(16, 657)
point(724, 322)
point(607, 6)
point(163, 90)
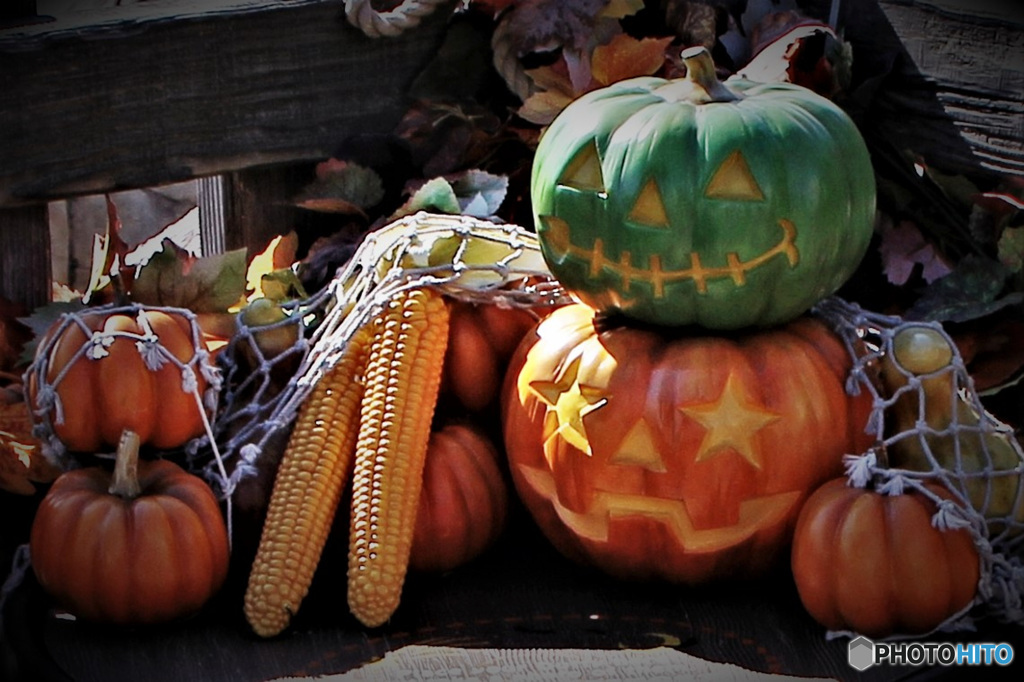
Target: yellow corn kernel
point(307, 490)
point(403, 376)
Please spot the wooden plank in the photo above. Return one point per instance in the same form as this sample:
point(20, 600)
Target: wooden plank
point(180, 96)
point(56, 17)
point(958, 95)
point(25, 255)
point(258, 205)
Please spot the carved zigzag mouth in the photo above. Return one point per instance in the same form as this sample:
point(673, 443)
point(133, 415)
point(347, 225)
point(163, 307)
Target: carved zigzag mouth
point(558, 240)
point(754, 515)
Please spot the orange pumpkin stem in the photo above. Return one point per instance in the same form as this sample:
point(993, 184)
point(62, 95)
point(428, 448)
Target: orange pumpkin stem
point(126, 467)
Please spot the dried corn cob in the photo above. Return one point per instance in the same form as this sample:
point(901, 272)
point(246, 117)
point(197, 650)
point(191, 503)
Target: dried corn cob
point(307, 490)
point(403, 376)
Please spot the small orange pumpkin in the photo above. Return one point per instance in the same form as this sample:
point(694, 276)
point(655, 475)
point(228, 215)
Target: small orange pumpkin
point(147, 544)
point(874, 564)
point(464, 502)
point(112, 387)
point(481, 340)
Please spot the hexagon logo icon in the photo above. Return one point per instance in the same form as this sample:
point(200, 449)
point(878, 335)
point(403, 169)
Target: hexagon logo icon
point(861, 653)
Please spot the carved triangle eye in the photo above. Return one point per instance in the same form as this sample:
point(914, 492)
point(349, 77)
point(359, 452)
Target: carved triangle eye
point(584, 171)
point(649, 208)
point(733, 180)
point(638, 449)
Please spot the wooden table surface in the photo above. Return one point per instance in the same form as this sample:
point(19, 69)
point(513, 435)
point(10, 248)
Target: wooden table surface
point(520, 594)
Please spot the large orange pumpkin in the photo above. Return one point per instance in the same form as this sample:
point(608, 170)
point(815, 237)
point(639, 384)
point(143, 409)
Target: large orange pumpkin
point(875, 564)
point(111, 372)
point(658, 455)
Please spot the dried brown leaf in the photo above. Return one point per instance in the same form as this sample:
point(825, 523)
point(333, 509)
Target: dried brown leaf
point(626, 57)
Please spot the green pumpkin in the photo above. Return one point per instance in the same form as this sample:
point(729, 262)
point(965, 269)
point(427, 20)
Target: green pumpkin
point(696, 202)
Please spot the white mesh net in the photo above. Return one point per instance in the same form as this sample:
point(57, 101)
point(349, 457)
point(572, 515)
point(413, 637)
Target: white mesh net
point(928, 420)
point(49, 411)
point(931, 427)
point(467, 258)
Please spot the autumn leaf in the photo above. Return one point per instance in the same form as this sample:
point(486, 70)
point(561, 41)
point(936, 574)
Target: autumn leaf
point(694, 22)
point(445, 137)
point(577, 65)
point(474, 192)
point(620, 9)
point(552, 78)
point(210, 284)
point(21, 460)
point(626, 57)
point(342, 187)
point(541, 108)
point(108, 257)
point(270, 275)
point(800, 51)
point(543, 25)
point(479, 193)
point(1011, 249)
point(552, 91)
point(975, 289)
point(569, 29)
point(182, 233)
point(42, 318)
point(903, 248)
point(435, 195)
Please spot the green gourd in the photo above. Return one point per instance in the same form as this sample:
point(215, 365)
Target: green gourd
point(922, 357)
point(696, 202)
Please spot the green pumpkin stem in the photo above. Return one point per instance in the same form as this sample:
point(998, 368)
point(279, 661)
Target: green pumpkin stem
point(702, 79)
point(126, 467)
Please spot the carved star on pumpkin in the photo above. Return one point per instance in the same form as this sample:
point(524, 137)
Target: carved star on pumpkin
point(732, 422)
point(568, 403)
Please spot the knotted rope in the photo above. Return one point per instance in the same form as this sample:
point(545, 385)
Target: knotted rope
point(362, 15)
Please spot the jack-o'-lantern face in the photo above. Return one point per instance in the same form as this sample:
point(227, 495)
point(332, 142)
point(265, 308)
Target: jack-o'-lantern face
point(679, 458)
point(739, 209)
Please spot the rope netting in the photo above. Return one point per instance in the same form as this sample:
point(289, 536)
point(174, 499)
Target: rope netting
point(927, 418)
point(98, 337)
point(466, 258)
point(931, 428)
point(928, 421)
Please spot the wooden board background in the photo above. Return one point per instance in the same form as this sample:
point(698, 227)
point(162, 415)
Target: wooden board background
point(168, 90)
point(161, 96)
point(957, 92)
